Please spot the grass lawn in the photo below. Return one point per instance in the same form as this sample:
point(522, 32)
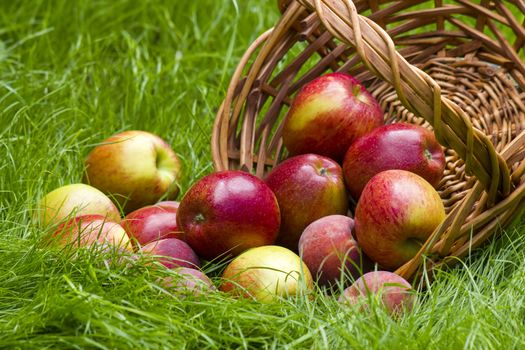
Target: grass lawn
point(75, 72)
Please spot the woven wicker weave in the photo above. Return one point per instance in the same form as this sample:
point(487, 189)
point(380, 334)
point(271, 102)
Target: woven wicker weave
point(457, 67)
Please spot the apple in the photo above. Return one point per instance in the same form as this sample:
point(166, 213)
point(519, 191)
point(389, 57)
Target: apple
point(307, 188)
point(188, 281)
point(91, 230)
point(173, 253)
point(267, 274)
point(136, 167)
point(396, 213)
point(392, 291)
point(74, 200)
point(328, 114)
point(228, 212)
point(330, 251)
point(153, 222)
point(395, 146)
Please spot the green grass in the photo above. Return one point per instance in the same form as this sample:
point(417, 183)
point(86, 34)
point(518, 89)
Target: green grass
point(75, 72)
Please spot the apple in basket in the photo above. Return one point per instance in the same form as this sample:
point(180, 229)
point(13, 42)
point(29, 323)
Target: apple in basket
point(396, 213)
point(307, 188)
point(136, 167)
point(395, 146)
point(228, 212)
point(267, 274)
point(328, 114)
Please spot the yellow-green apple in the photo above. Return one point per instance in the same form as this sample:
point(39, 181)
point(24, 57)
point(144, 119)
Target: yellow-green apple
point(307, 188)
point(328, 114)
point(395, 146)
point(172, 253)
point(267, 274)
point(395, 215)
point(152, 223)
point(330, 251)
point(74, 200)
point(91, 230)
point(387, 289)
point(228, 212)
point(188, 281)
point(136, 168)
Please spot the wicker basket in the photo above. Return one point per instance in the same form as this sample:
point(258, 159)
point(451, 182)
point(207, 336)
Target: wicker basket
point(450, 67)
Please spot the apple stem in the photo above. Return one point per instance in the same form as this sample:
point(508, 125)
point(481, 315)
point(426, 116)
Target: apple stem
point(199, 218)
point(356, 90)
point(427, 154)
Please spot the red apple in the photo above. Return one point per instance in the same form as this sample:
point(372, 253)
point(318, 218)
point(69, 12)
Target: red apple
point(74, 200)
point(90, 230)
point(395, 146)
point(188, 281)
point(397, 212)
point(228, 212)
point(173, 253)
point(267, 274)
point(154, 222)
point(392, 291)
point(136, 167)
point(328, 114)
point(307, 188)
point(330, 251)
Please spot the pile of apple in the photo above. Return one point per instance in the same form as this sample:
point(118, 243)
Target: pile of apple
point(355, 200)
point(129, 172)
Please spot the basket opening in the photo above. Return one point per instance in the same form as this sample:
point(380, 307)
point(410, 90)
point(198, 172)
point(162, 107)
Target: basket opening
point(310, 51)
point(485, 92)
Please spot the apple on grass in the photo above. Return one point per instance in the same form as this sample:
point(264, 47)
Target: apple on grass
point(90, 231)
point(152, 223)
point(391, 291)
point(136, 167)
point(74, 200)
point(172, 253)
point(267, 274)
point(228, 212)
point(328, 115)
point(396, 213)
point(187, 281)
point(330, 251)
point(396, 146)
point(307, 188)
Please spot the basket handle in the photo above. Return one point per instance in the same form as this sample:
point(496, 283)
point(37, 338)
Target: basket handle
point(417, 91)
